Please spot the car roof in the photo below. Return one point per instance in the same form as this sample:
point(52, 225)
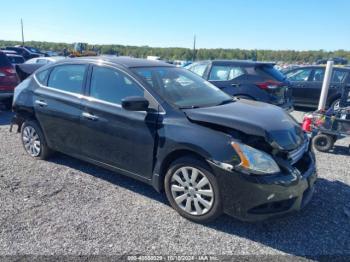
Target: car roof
point(123, 61)
point(236, 62)
point(319, 66)
point(14, 55)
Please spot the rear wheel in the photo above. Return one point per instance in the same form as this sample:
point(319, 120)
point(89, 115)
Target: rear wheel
point(33, 140)
point(323, 142)
point(192, 190)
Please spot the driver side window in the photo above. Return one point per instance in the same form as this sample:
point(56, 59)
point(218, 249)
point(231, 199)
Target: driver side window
point(300, 75)
point(110, 85)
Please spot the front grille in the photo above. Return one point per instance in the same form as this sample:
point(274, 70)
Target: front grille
point(295, 155)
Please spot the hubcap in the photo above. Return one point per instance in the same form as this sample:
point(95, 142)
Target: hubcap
point(192, 191)
point(322, 142)
point(336, 106)
point(31, 141)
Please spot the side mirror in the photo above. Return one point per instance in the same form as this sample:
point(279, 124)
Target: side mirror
point(135, 103)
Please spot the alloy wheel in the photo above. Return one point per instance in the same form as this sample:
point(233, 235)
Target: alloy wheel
point(192, 191)
point(31, 141)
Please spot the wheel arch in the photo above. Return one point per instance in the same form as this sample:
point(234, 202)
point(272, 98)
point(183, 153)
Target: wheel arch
point(163, 165)
point(332, 99)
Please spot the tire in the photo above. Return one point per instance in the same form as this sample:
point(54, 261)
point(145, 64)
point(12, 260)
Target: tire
point(323, 142)
point(199, 199)
point(335, 105)
point(33, 140)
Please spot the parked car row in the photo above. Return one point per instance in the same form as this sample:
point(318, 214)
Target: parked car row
point(247, 79)
point(306, 83)
point(299, 86)
point(171, 129)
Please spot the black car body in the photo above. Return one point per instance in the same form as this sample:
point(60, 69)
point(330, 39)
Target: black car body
point(258, 81)
point(306, 83)
point(24, 51)
point(153, 125)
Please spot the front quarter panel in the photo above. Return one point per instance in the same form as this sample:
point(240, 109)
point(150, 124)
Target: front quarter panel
point(179, 134)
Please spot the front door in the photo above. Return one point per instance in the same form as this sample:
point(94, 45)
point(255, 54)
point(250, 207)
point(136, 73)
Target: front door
point(112, 135)
point(299, 81)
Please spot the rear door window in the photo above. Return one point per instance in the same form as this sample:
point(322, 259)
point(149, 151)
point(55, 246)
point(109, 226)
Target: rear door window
point(68, 78)
point(225, 73)
point(339, 76)
point(42, 76)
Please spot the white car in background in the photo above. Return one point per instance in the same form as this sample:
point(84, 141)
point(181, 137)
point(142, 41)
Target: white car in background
point(45, 60)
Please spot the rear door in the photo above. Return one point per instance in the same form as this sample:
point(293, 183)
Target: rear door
point(58, 107)
point(299, 81)
point(114, 136)
point(230, 78)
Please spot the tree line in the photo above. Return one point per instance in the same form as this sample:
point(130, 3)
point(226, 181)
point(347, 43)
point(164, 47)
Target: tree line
point(176, 53)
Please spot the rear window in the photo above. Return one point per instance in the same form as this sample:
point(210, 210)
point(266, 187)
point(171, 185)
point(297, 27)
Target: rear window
point(15, 59)
point(4, 60)
point(68, 78)
point(270, 72)
point(225, 73)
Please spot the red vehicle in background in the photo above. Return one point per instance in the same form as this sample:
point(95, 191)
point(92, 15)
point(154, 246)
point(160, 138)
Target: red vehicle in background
point(8, 80)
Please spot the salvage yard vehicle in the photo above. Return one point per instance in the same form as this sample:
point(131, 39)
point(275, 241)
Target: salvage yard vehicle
point(258, 81)
point(8, 80)
point(45, 60)
point(171, 129)
point(306, 83)
point(25, 51)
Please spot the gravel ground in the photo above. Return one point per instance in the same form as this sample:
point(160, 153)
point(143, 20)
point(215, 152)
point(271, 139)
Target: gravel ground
point(67, 207)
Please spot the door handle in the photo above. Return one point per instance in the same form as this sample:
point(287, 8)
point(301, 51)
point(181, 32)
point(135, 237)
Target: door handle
point(235, 85)
point(89, 116)
point(40, 103)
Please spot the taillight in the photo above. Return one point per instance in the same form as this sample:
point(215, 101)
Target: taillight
point(6, 71)
point(269, 85)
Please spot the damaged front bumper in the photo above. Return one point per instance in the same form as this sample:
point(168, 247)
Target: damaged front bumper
point(254, 198)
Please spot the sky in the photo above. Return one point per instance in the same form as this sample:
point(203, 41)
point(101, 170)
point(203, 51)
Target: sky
point(245, 24)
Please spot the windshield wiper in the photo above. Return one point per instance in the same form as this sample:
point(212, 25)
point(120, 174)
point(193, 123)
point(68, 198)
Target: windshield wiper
point(189, 107)
point(225, 102)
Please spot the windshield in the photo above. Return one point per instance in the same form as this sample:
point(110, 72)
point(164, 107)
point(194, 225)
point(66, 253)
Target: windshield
point(182, 88)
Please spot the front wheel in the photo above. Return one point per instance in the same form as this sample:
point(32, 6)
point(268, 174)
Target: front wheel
point(192, 190)
point(323, 142)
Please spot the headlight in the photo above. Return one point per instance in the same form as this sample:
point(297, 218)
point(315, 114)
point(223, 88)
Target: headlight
point(255, 161)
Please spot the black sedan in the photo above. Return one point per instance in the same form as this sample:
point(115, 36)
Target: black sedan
point(170, 129)
point(258, 81)
point(306, 83)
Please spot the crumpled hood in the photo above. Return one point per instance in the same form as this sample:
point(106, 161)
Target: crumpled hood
point(254, 118)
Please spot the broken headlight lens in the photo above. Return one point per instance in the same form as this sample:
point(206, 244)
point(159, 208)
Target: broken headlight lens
point(255, 161)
